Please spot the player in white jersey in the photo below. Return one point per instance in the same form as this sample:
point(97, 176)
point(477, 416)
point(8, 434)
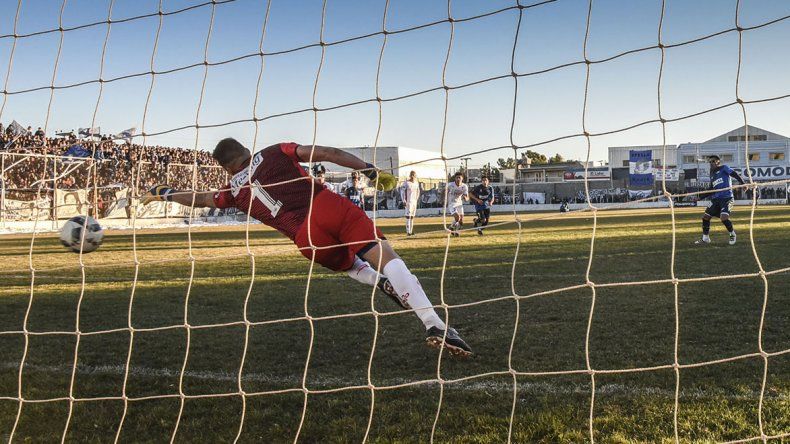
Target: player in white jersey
point(410, 195)
point(360, 184)
point(457, 193)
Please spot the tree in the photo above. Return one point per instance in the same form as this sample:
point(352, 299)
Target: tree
point(557, 158)
point(506, 164)
point(534, 157)
point(462, 169)
point(491, 172)
point(528, 157)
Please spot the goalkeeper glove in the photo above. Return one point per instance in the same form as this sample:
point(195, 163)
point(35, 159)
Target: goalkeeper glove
point(158, 192)
point(371, 171)
point(384, 181)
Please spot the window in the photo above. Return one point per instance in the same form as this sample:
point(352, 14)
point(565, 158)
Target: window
point(626, 163)
point(726, 157)
point(752, 138)
point(754, 157)
point(656, 162)
point(689, 159)
point(777, 156)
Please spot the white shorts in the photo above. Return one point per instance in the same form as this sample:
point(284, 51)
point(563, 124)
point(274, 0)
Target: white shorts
point(457, 209)
point(411, 209)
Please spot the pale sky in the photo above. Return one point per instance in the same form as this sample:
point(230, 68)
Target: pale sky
point(622, 92)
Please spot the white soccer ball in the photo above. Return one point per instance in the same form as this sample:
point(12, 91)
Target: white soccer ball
point(71, 234)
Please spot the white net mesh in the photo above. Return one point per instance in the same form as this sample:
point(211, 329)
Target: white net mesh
point(193, 173)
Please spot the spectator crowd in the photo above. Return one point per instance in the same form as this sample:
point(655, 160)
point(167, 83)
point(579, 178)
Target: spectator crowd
point(119, 164)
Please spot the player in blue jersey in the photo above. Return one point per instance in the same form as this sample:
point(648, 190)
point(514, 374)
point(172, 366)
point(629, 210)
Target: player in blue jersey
point(353, 193)
point(721, 201)
point(483, 197)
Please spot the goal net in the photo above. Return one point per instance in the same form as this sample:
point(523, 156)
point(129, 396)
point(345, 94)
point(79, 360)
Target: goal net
point(592, 325)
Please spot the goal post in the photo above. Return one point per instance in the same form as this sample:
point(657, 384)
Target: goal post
point(41, 186)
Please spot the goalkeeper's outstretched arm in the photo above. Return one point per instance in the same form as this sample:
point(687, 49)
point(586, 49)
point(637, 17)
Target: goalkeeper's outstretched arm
point(164, 192)
point(329, 154)
point(319, 153)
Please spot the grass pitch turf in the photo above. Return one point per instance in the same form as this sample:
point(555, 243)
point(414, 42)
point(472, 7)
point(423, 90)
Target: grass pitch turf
point(633, 327)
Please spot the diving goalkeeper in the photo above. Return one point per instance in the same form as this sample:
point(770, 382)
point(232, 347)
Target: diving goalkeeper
point(274, 189)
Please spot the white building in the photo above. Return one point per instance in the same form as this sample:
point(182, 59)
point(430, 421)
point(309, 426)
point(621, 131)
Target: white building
point(768, 154)
point(619, 155)
point(400, 161)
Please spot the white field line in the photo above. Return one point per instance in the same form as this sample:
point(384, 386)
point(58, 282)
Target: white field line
point(175, 282)
point(295, 381)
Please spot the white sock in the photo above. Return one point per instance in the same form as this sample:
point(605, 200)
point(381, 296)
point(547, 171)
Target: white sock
point(705, 237)
point(408, 225)
point(361, 271)
point(407, 285)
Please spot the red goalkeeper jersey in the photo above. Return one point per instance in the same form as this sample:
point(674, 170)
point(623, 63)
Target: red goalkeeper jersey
point(281, 189)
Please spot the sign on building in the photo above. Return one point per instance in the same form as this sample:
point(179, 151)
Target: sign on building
point(597, 173)
point(767, 173)
point(670, 174)
point(640, 168)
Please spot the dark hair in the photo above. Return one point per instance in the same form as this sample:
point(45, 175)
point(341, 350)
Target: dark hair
point(713, 157)
point(318, 169)
point(485, 177)
point(228, 150)
point(458, 173)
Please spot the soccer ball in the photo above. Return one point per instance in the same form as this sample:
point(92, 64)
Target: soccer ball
point(71, 234)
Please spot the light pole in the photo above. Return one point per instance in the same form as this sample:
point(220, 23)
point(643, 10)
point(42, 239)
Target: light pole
point(466, 166)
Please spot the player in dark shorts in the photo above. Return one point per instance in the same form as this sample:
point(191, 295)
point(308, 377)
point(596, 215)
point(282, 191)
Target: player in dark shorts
point(483, 197)
point(273, 188)
point(721, 201)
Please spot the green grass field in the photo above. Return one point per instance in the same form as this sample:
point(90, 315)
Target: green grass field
point(633, 327)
